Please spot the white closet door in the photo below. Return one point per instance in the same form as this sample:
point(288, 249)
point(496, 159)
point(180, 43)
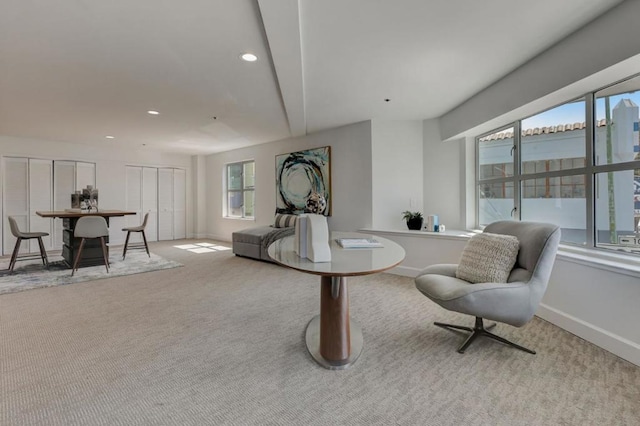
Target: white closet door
point(15, 201)
point(134, 195)
point(86, 175)
point(165, 204)
point(150, 201)
point(179, 204)
point(40, 198)
point(64, 174)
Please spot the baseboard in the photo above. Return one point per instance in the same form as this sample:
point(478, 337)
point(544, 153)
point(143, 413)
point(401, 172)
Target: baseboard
point(613, 343)
point(218, 238)
point(405, 271)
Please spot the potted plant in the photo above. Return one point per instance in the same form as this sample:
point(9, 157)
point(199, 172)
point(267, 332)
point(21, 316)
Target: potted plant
point(414, 220)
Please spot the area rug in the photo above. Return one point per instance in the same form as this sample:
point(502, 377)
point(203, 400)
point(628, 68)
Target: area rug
point(28, 275)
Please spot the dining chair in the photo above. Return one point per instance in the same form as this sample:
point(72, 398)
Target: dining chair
point(88, 227)
point(139, 229)
point(26, 236)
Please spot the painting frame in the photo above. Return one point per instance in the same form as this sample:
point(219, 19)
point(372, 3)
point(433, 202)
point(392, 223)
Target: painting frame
point(303, 181)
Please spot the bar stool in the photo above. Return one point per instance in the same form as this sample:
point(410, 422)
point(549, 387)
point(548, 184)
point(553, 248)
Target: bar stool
point(26, 236)
point(91, 227)
point(140, 229)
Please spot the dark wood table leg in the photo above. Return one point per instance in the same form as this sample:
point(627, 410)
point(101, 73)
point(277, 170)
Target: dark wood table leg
point(333, 340)
point(335, 333)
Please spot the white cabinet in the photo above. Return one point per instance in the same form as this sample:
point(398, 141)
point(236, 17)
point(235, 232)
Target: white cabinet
point(27, 185)
point(40, 198)
point(142, 197)
point(150, 201)
point(162, 193)
point(171, 204)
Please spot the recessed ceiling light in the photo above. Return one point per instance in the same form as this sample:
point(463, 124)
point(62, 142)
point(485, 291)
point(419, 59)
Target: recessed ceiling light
point(152, 112)
point(249, 57)
point(110, 137)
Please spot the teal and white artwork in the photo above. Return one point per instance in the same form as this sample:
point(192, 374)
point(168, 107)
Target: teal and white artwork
point(303, 182)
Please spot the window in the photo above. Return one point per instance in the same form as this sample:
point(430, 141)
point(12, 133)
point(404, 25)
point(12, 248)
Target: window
point(240, 189)
point(576, 165)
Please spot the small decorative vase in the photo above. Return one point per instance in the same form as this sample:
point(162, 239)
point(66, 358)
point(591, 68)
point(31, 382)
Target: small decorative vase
point(414, 224)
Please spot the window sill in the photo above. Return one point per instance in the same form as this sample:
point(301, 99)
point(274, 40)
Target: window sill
point(248, 219)
point(449, 235)
point(599, 259)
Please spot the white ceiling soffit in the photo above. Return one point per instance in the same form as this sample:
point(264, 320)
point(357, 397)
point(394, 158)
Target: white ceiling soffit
point(281, 21)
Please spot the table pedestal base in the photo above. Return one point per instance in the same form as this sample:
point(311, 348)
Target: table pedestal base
point(313, 345)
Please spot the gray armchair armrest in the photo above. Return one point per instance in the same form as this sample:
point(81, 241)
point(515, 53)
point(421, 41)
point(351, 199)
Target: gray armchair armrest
point(447, 269)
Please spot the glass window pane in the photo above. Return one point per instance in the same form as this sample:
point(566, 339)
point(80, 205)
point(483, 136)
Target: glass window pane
point(234, 176)
point(617, 122)
point(494, 152)
point(249, 174)
point(618, 210)
point(569, 213)
point(495, 202)
point(558, 133)
point(248, 203)
point(234, 203)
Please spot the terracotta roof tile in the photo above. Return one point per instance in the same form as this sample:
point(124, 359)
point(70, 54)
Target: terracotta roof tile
point(540, 131)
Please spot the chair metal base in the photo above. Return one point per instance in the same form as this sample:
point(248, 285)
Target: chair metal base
point(480, 330)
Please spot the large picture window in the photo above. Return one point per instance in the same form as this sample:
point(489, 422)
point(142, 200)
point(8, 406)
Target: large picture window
point(240, 189)
point(576, 165)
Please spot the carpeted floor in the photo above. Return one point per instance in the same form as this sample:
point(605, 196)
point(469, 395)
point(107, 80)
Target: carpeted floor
point(221, 342)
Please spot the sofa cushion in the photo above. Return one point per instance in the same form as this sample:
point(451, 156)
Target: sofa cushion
point(285, 220)
point(251, 235)
point(488, 258)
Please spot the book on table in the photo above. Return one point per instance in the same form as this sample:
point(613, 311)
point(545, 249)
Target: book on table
point(358, 242)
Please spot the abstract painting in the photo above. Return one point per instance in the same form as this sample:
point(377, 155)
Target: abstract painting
point(303, 182)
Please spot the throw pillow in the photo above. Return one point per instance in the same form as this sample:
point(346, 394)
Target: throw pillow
point(285, 220)
point(488, 258)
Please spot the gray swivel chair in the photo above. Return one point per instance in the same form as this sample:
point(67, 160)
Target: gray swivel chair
point(91, 227)
point(514, 302)
point(26, 236)
point(140, 229)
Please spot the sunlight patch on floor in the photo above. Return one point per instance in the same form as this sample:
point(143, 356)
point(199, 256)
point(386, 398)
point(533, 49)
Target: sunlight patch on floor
point(202, 248)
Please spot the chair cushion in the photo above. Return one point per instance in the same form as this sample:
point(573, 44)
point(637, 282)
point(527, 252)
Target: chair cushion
point(488, 258)
point(285, 220)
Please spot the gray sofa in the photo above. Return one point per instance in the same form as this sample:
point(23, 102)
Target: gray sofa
point(254, 242)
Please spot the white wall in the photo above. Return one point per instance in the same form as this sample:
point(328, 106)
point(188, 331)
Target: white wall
point(397, 174)
point(444, 174)
point(598, 305)
point(110, 169)
point(350, 179)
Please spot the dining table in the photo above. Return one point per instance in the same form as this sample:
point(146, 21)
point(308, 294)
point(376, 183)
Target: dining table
point(92, 251)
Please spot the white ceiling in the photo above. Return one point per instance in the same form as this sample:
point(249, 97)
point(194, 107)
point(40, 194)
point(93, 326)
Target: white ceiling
point(78, 70)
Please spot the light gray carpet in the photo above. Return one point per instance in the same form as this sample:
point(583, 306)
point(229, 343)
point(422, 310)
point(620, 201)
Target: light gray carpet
point(30, 274)
point(220, 341)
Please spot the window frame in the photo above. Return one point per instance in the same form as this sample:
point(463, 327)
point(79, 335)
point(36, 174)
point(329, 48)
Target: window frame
point(243, 189)
point(589, 172)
